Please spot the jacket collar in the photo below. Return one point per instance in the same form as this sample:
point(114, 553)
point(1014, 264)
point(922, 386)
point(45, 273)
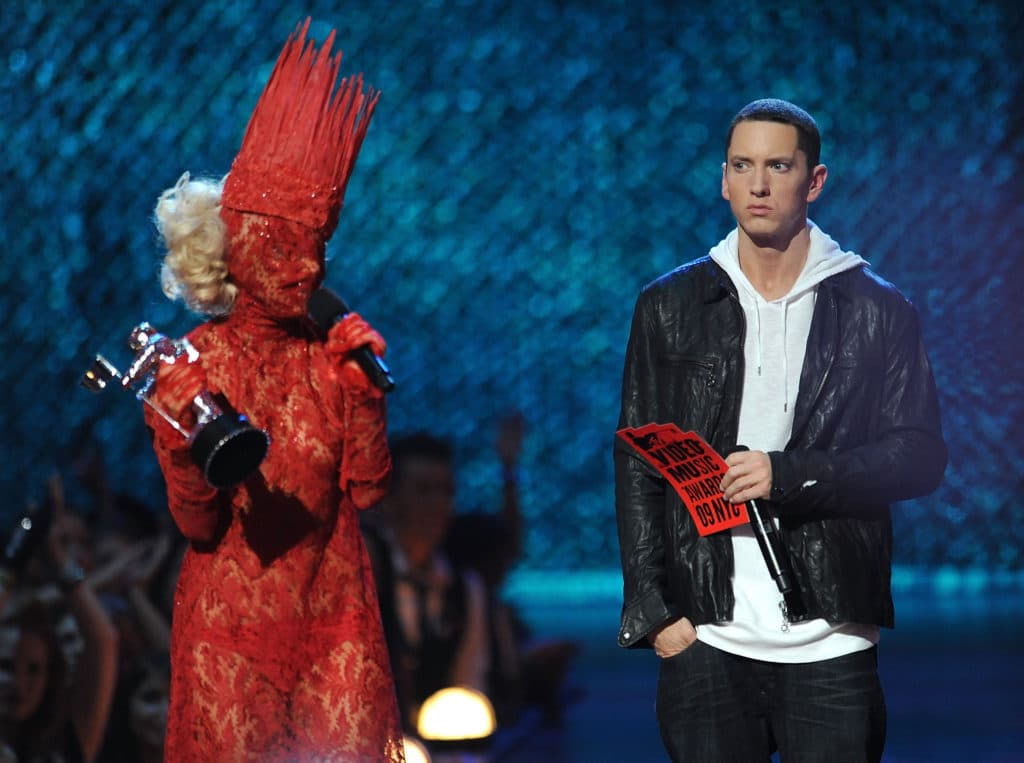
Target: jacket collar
point(719, 286)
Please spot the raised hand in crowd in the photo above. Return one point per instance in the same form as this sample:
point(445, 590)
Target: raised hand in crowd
point(59, 701)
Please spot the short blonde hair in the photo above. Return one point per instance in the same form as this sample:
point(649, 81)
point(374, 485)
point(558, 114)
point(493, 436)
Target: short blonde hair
point(195, 268)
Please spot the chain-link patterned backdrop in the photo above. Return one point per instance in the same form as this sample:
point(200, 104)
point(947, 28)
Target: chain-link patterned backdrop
point(532, 163)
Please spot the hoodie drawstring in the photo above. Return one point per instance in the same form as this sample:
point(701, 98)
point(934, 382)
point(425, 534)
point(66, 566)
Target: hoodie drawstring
point(757, 330)
point(785, 357)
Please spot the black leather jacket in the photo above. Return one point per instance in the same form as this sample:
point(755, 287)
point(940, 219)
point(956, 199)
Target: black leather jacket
point(866, 431)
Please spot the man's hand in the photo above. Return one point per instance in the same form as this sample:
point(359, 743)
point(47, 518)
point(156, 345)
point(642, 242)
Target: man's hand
point(671, 639)
point(749, 476)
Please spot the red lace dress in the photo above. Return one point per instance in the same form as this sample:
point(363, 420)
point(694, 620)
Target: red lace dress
point(277, 648)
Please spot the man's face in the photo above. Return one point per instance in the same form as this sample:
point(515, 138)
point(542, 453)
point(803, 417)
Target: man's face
point(31, 673)
point(767, 182)
point(424, 497)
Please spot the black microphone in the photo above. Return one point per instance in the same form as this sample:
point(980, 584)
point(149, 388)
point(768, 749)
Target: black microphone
point(325, 308)
point(776, 555)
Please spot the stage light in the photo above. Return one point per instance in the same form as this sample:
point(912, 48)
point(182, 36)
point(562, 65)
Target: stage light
point(415, 752)
point(456, 714)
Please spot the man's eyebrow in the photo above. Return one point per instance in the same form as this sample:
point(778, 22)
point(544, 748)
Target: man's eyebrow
point(786, 158)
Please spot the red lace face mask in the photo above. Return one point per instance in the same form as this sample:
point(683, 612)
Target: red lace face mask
point(277, 262)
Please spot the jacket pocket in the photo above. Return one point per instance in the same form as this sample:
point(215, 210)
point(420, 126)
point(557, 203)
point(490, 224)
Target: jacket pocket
point(689, 391)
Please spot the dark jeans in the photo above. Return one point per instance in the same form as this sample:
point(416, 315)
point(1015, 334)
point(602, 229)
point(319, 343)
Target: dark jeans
point(716, 706)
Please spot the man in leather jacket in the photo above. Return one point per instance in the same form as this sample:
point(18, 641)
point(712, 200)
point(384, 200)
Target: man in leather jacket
point(779, 341)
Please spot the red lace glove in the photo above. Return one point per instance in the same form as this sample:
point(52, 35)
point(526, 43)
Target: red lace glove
point(192, 501)
point(348, 334)
point(175, 387)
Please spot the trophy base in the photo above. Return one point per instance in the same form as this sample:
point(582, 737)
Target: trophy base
point(228, 449)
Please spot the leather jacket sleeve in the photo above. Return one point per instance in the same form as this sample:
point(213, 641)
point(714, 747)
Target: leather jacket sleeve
point(640, 495)
point(901, 455)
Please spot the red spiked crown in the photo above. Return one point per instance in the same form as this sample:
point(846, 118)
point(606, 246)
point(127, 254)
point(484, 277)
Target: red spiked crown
point(302, 139)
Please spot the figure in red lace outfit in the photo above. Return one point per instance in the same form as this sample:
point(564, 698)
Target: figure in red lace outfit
point(277, 649)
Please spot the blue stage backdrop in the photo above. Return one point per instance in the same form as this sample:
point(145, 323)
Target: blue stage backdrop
point(531, 165)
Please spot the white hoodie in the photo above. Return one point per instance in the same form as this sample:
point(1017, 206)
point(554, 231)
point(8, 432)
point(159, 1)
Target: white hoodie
point(776, 338)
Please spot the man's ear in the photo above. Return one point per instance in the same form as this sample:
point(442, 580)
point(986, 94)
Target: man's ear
point(818, 177)
point(725, 185)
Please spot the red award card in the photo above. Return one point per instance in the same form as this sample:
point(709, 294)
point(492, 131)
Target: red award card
point(693, 469)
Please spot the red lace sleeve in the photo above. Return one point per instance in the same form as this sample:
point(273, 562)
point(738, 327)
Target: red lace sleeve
point(366, 461)
point(193, 502)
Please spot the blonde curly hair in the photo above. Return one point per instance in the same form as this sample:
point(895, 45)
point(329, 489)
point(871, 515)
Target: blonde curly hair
point(195, 269)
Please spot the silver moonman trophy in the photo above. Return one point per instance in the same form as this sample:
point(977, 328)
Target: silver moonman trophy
point(223, 444)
